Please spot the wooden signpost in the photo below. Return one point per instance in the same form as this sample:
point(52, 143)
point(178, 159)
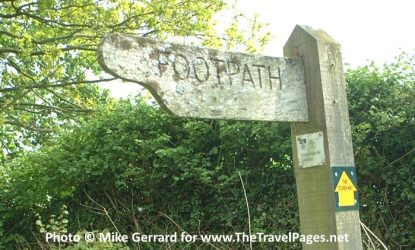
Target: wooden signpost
point(306, 89)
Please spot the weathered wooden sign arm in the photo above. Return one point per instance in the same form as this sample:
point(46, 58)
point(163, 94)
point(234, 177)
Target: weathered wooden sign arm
point(197, 82)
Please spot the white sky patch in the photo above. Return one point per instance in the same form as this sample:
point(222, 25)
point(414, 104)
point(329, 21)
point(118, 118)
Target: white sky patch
point(366, 29)
point(120, 89)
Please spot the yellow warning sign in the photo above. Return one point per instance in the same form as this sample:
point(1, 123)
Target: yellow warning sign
point(346, 191)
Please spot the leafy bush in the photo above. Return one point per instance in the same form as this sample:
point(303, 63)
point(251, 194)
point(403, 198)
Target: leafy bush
point(382, 113)
point(135, 169)
point(147, 172)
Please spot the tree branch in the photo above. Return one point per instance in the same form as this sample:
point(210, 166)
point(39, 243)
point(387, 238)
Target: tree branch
point(14, 100)
point(27, 127)
point(3, 32)
point(53, 108)
point(41, 53)
point(55, 39)
point(41, 86)
point(11, 15)
point(77, 108)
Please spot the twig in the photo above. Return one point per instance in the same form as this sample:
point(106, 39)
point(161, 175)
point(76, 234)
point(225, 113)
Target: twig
point(104, 210)
point(403, 156)
point(178, 226)
point(369, 238)
point(247, 207)
point(374, 235)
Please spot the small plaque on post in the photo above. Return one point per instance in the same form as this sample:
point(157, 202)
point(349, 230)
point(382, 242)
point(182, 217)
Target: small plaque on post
point(310, 150)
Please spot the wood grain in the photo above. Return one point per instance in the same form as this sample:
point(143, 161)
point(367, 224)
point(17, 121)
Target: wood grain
point(196, 82)
point(328, 113)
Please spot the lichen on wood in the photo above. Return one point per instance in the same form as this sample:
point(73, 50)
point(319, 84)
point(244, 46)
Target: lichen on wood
point(197, 82)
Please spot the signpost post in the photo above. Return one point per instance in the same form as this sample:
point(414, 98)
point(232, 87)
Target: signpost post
point(321, 212)
point(306, 89)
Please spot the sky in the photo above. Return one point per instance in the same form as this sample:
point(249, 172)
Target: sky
point(367, 30)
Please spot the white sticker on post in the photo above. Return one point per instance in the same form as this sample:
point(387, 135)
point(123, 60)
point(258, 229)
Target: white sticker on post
point(310, 150)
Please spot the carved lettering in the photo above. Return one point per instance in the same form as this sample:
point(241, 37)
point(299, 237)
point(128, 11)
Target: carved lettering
point(246, 70)
point(234, 65)
point(219, 68)
point(183, 66)
point(200, 68)
point(259, 73)
point(196, 69)
point(274, 77)
point(163, 61)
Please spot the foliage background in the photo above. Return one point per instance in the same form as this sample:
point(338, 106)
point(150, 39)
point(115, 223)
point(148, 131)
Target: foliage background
point(133, 168)
point(73, 159)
